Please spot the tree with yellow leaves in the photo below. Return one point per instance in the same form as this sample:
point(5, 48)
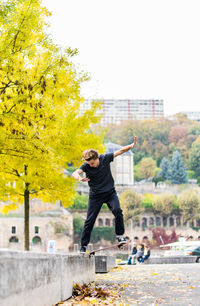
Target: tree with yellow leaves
point(41, 130)
point(131, 203)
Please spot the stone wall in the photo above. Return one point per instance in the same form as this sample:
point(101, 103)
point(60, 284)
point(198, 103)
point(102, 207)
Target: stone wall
point(147, 222)
point(30, 279)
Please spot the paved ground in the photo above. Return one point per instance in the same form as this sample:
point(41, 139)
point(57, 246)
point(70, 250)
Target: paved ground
point(172, 284)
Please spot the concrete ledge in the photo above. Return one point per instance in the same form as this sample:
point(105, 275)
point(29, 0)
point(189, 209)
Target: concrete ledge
point(104, 263)
point(166, 260)
point(30, 279)
point(171, 260)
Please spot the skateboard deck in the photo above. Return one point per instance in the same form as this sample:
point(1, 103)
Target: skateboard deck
point(119, 245)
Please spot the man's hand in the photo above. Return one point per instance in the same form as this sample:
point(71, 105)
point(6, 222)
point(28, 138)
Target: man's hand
point(135, 142)
point(84, 179)
point(77, 176)
point(126, 148)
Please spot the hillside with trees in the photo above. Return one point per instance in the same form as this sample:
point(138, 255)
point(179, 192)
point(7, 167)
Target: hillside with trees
point(158, 140)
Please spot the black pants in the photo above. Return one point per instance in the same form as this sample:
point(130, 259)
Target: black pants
point(94, 205)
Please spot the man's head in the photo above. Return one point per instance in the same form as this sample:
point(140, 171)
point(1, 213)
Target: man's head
point(91, 157)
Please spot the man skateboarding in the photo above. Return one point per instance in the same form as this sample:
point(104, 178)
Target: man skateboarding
point(102, 190)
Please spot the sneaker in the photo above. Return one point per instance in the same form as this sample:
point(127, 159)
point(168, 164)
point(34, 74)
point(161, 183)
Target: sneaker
point(83, 249)
point(121, 239)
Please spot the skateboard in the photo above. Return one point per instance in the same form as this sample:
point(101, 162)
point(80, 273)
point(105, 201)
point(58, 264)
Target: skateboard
point(119, 245)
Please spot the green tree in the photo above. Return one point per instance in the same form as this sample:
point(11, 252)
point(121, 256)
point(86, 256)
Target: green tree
point(189, 203)
point(178, 174)
point(41, 129)
point(147, 167)
point(147, 202)
point(165, 167)
point(131, 203)
point(103, 232)
point(194, 128)
point(80, 202)
point(78, 223)
point(194, 158)
point(164, 204)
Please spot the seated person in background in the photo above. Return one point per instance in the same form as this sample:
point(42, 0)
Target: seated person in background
point(134, 250)
point(146, 254)
point(137, 254)
point(140, 252)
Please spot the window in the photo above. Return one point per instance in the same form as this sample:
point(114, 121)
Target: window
point(13, 230)
point(158, 221)
point(119, 178)
point(171, 221)
point(178, 221)
point(164, 221)
point(107, 222)
point(100, 222)
point(126, 179)
point(36, 240)
point(13, 239)
point(151, 221)
point(36, 229)
point(119, 167)
point(144, 223)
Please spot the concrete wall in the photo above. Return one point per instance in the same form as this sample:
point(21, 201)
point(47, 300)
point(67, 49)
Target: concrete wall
point(171, 260)
point(30, 279)
point(104, 263)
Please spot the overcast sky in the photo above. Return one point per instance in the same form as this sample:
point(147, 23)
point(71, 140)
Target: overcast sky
point(134, 49)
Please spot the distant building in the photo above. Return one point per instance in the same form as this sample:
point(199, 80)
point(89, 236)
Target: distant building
point(115, 111)
point(122, 166)
point(192, 115)
point(48, 222)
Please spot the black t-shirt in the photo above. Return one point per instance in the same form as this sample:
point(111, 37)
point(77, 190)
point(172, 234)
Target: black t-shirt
point(101, 179)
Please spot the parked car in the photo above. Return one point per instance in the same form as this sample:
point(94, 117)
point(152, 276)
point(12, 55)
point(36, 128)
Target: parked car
point(180, 247)
point(194, 251)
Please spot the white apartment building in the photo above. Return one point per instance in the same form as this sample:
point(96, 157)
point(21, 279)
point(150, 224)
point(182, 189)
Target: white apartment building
point(122, 166)
point(116, 111)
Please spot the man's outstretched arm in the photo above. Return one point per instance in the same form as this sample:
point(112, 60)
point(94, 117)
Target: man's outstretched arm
point(126, 148)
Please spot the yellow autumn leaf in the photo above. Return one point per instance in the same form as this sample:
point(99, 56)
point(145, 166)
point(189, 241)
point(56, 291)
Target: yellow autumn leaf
point(125, 285)
point(94, 301)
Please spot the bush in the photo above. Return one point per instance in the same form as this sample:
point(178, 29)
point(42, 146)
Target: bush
point(147, 202)
point(103, 232)
point(189, 203)
point(78, 223)
point(159, 235)
point(131, 203)
point(190, 174)
point(80, 202)
point(164, 203)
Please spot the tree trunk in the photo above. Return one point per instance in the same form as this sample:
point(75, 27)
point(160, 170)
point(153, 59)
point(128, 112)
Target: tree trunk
point(26, 214)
